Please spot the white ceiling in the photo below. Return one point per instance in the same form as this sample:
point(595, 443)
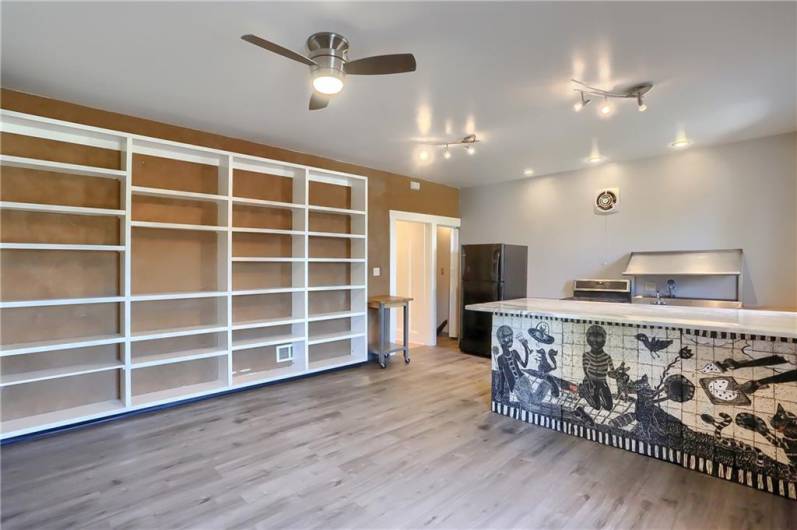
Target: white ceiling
point(723, 72)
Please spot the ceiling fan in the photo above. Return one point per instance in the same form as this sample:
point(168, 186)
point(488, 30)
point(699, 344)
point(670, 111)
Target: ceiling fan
point(329, 63)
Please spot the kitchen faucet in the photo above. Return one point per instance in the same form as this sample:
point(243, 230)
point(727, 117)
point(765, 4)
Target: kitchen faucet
point(659, 299)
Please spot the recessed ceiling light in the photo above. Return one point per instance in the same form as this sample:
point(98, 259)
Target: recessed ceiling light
point(424, 155)
point(528, 172)
point(596, 158)
point(681, 143)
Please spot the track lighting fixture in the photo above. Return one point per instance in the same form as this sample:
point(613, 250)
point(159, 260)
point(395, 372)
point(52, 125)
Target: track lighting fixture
point(579, 105)
point(467, 141)
point(635, 91)
point(528, 172)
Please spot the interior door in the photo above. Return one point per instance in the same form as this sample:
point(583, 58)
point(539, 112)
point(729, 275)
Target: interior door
point(454, 290)
point(413, 271)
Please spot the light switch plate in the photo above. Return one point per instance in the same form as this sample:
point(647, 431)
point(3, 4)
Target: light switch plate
point(377, 271)
point(415, 185)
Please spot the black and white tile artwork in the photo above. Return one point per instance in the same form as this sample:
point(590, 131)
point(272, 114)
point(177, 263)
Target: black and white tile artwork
point(721, 403)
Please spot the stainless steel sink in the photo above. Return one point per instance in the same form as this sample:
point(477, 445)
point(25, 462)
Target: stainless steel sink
point(688, 302)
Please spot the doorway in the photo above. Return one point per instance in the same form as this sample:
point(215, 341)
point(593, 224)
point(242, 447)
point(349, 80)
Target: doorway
point(424, 266)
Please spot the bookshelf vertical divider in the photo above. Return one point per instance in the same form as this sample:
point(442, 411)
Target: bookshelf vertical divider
point(126, 202)
point(288, 274)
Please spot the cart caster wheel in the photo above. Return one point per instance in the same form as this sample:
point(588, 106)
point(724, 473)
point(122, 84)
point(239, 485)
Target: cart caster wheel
point(407, 360)
point(382, 364)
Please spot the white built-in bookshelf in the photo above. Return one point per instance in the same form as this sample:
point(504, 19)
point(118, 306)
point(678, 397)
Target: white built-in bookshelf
point(199, 271)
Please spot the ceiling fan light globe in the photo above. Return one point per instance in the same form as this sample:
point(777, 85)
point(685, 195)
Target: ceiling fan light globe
point(328, 81)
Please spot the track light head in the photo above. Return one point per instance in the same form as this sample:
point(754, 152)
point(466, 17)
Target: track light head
point(641, 106)
point(446, 152)
point(606, 107)
point(581, 103)
point(470, 149)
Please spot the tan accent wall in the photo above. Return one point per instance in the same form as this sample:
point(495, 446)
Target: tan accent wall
point(386, 191)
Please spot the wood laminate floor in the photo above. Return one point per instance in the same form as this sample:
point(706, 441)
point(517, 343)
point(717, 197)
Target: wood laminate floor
point(411, 446)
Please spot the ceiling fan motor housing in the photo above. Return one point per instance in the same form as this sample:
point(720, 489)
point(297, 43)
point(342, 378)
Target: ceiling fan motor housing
point(328, 50)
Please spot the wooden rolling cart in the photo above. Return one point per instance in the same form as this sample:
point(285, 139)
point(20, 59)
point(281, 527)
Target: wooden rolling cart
point(383, 348)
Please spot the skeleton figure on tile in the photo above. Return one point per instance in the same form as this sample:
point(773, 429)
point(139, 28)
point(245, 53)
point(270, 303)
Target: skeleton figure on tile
point(511, 380)
point(597, 364)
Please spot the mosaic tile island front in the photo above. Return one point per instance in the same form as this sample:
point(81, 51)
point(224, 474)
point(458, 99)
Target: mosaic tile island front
point(711, 390)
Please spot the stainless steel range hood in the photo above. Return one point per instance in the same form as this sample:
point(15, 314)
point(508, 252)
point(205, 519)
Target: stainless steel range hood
point(685, 262)
point(717, 267)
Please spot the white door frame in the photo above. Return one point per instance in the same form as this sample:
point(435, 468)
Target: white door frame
point(432, 221)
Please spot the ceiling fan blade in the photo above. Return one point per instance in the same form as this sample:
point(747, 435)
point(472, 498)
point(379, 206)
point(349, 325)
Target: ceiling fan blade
point(382, 64)
point(279, 50)
point(319, 101)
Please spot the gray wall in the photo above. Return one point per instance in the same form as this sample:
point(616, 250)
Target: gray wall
point(741, 195)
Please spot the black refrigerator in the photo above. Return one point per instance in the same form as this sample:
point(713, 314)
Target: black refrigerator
point(489, 273)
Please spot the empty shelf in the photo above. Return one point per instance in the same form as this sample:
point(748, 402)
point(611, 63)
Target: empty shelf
point(54, 373)
point(247, 344)
point(177, 226)
point(56, 208)
point(255, 259)
point(330, 209)
point(59, 417)
point(276, 290)
point(335, 314)
point(177, 194)
point(335, 287)
point(390, 347)
point(175, 332)
point(60, 344)
point(276, 231)
point(336, 234)
point(261, 376)
point(266, 204)
point(332, 337)
point(58, 246)
point(60, 167)
point(177, 296)
point(336, 260)
point(333, 362)
point(142, 361)
point(265, 323)
point(181, 392)
point(60, 301)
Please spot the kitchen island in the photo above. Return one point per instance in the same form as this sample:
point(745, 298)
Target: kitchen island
point(713, 390)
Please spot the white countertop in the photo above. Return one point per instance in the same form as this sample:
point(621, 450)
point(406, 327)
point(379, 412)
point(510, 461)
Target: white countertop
point(750, 321)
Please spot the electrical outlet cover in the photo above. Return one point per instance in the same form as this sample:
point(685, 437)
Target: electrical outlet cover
point(284, 353)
